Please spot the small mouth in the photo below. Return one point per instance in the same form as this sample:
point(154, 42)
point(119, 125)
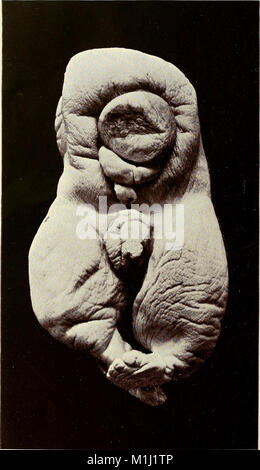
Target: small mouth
point(122, 172)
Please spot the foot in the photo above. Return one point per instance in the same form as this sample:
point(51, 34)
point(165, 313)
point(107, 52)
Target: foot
point(136, 369)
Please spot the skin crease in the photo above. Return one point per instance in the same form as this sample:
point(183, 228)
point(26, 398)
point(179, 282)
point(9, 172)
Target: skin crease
point(115, 104)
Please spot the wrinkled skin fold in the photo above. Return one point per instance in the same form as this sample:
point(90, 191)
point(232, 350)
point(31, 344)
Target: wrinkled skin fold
point(128, 129)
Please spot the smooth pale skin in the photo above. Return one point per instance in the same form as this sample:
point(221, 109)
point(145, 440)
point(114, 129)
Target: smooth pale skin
point(80, 288)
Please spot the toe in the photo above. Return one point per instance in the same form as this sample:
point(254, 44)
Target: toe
point(116, 367)
point(134, 358)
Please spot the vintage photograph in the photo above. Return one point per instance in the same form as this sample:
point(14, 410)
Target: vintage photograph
point(130, 227)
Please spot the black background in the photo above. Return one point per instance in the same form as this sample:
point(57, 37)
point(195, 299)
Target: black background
point(54, 397)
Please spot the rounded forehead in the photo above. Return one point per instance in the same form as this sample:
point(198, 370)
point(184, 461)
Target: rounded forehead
point(95, 77)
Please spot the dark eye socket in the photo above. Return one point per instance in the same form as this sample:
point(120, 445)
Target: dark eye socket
point(138, 126)
point(120, 124)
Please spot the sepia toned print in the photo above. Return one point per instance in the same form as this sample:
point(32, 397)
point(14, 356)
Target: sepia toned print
point(128, 130)
point(129, 329)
